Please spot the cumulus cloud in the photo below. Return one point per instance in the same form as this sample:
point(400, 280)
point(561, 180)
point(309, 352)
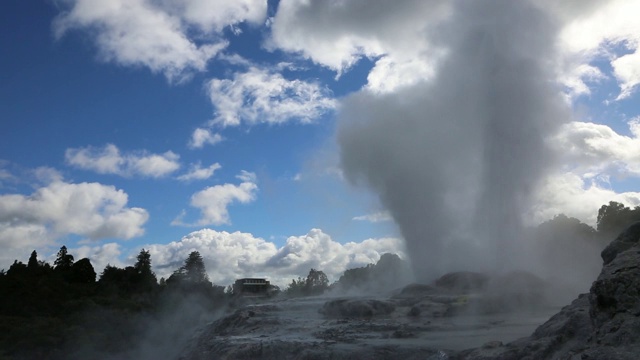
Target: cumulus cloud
point(590, 155)
point(336, 34)
point(592, 29)
point(197, 172)
point(109, 160)
point(213, 202)
point(374, 217)
point(261, 96)
point(572, 195)
point(158, 34)
point(229, 256)
point(404, 39)
point(100, 256)
point(202, 137)
point(90, 210)
point(591, 149)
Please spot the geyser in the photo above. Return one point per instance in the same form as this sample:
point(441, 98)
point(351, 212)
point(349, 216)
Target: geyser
point(457, 158)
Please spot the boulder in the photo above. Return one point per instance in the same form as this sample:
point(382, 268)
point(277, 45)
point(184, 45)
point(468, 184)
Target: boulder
point(356, 308)
point(463, 281)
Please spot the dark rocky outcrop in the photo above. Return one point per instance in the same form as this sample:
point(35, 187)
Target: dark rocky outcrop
point(356, 308)
point(463, 281)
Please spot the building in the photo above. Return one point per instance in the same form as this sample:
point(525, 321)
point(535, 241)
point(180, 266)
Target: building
point(251, 287)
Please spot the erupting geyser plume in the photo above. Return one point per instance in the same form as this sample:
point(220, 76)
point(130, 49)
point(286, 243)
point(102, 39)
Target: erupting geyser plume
point(456, 158)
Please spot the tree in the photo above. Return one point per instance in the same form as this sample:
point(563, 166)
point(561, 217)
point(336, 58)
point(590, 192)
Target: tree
point(614, 218)
point(143, 267)
point(194, 270)
point(316, 283)
point(33, 261)
point(296, 288)
point(63, 261)
point(82, 272)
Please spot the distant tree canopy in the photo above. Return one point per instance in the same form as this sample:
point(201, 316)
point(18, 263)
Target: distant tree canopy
point(59, 313)
point(562, 226)
point(135, 279)
point(384, 275)
point(192, 272)
point(615, 217)
point(315, 283)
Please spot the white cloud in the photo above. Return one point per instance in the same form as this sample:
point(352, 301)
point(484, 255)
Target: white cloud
point(196, 172)
point(91, 210)
point(47, 175)
point(109, 160)
point(388, 74)
point(591, 149)
point(213, 202)
point(229, 256)
point(402, 36)
point(100, 256)
point(201, 137)
point(336, 34)
point(375, 217)
point(590, 154)
point(570, 194)
point(215, 15)
point(591, 31)
point(627, 70)
point(158, 34)
point(260, 96)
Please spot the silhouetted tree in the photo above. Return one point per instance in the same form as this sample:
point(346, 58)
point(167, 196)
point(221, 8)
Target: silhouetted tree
point(194, 270)
point(82, 272)
point(114, 280)
point(17, 269)
point(614, 218)
point(296, 288)
point(33, 261)
point(384, 275)
point(63, 261)
point(316, 283)
point(146, 278)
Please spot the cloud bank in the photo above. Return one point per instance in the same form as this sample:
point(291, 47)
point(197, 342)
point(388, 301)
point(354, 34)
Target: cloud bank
point(230, 256)
point(90, 210)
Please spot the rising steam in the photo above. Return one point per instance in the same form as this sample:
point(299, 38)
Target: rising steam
point(456, 159)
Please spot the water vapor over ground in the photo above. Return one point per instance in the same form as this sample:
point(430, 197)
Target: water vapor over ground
point(456, 159)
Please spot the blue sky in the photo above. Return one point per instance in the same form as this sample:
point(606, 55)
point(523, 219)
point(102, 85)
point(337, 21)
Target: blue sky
point(101, 102)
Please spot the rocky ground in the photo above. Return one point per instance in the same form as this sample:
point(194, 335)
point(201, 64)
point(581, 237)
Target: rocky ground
point(460, 316)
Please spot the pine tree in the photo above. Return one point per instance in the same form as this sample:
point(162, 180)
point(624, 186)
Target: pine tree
point(63, 261)
point(33, 261)
point(143, 268)
point(193, 268)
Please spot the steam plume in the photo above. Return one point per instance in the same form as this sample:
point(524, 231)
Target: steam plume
point(456, 159)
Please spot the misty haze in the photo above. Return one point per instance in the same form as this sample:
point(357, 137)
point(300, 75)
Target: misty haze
point(354, 179)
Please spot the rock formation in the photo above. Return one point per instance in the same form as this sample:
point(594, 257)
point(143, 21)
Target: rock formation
point(603, 324)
